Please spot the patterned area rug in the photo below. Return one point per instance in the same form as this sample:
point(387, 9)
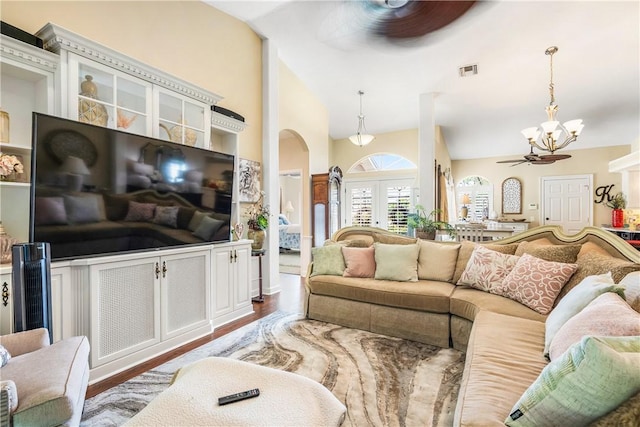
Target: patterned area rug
point(382, 381)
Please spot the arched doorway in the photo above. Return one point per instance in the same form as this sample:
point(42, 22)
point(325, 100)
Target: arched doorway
point(294, 201)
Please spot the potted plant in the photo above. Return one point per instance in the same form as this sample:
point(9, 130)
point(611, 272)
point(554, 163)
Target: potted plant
point(258, 222)
point(426, 225)
point(617, 203)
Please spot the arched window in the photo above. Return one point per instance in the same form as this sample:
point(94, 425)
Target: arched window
point(382, 162)
point(476, 194)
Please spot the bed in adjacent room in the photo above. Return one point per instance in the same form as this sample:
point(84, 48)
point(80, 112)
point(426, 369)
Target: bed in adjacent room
point(289, 234)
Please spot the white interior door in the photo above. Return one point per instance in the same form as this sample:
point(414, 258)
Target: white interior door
point(567, 201)
point(380, 203)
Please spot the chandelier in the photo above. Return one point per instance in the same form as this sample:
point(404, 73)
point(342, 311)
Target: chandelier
point(361, 138)
point(552, 130)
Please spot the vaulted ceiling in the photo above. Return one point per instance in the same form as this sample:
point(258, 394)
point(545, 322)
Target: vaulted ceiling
point(332, 48)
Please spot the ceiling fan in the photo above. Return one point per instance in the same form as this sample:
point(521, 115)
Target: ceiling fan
point(535, 159)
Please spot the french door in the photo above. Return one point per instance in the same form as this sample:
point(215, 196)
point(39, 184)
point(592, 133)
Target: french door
point(381, 203)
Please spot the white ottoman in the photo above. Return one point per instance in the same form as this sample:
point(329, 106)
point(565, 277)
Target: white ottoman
point(285, 399)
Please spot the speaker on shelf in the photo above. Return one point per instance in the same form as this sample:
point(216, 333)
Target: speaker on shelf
point(32, 287)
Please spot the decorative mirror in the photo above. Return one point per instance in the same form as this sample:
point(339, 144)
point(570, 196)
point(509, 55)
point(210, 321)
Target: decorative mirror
point(511, 196)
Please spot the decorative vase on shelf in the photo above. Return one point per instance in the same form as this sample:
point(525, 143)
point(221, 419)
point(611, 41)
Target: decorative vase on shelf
point(617, 218)
point(90, 111)
point(4, 127)
point(6, 244)
point(258, 236)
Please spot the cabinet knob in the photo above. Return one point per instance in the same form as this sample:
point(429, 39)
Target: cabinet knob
point(235, 256)
point(164, 269)
point(157, 271)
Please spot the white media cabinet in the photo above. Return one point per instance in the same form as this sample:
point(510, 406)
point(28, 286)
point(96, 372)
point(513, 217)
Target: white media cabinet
point(131, 306)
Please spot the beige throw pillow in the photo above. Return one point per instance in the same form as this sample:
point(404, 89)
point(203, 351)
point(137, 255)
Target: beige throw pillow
point(487, 269)
point(397, 262)
point(549, 252)
point(466, 249)
point(607, 315)
point(437, 261)
point(631, 286)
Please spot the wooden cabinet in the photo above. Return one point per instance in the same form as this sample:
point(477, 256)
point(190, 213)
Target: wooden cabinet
point(325, 204)
point(231, 288)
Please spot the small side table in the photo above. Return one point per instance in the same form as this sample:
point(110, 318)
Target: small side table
point(259, 254)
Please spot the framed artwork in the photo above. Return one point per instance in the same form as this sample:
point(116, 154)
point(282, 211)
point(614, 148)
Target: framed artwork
point(511, 196)
point(249, 172)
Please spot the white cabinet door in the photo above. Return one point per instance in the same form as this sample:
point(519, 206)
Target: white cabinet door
point(125, 307)
point(185, 292)
point(6, 304)
point(231, 290)
point(241, 267)
point(62, 304)
point(222, 290)
point(181, 119)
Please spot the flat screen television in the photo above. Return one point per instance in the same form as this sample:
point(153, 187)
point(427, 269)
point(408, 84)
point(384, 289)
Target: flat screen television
point(98, 191)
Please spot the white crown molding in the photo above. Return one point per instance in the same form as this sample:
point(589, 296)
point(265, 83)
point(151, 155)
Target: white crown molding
point(27, 54)
point(57, 39)
point(221, 121)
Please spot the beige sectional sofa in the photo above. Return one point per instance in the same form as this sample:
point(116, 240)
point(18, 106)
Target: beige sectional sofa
point(504, 340)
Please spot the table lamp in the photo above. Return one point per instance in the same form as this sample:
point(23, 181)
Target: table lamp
point(288, 208)
point(75, 168)
point(464, 211)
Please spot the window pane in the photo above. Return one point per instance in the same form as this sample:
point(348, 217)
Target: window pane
point(398, 203)
point(361, 204)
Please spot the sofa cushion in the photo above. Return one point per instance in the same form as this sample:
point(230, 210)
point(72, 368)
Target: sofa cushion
point(50, 211)
point(421, 295)
point(166, 215)
point(631, 286)
point(196, 218)
point(396, 262)
point(535, 282)
point(140, 212)
point(49, 381)
point(207, 228)
point(5, 356)
point(437, 260)
point(589, 380)
point(577, 299)
point(592, 263)
point(328, 260)
point(487, 269)
point(466, 249)
point(607, 315)
point(82, 209)
point(359, 262)
point(467, 302)
point(393, 239)
point(503, 358)
point(549, 252)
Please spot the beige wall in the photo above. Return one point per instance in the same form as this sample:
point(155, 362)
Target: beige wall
point(403, 143)
point(188, 39)
point(589, 161)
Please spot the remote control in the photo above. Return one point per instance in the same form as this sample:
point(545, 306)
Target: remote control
point(238, 396)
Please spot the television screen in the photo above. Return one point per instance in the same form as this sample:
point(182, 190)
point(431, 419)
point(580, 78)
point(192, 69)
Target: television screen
point(99, 191)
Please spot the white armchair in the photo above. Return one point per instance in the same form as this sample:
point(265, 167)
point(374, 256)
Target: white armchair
point(42, 384)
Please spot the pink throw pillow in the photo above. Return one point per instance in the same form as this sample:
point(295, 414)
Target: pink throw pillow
point(607, 315)
point(487, 269)
point(360, 262)
point(140, 211)
point(535, 282)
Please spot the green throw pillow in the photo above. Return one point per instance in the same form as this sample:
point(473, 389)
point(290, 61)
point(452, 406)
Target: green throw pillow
point(592, 378)
point(397, 262)
point(328, 260)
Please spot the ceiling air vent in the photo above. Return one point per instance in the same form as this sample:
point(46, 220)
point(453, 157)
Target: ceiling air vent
point(468, 70)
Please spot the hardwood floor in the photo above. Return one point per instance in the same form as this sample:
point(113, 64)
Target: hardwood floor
point(289, 299)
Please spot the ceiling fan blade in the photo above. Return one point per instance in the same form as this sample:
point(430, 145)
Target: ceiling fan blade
point(555, 157)
point(418, 18)
point(543, 162)
point(519, 163)
point(511, 161)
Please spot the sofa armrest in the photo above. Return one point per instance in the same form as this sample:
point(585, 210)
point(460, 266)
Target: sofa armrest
point(25, 342)
point(8, 401)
